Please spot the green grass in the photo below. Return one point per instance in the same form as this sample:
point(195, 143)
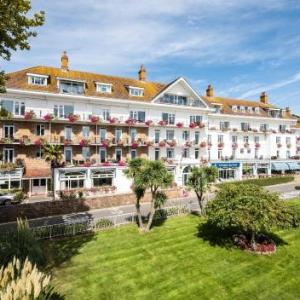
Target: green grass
point(171, 262)
point(266, 181)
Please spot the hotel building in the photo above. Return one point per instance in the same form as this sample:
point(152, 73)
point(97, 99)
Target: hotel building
point(101, 121)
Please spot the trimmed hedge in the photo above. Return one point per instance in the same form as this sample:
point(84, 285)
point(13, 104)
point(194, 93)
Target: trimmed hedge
point(266, 181)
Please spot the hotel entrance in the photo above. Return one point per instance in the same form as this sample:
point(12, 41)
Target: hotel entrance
point(227, 171)
point(227, 174)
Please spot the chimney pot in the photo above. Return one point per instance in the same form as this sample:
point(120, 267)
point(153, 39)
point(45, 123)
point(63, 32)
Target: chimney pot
point(264, 98)
point(210, 91)
point(64, 61)
point(142, 73)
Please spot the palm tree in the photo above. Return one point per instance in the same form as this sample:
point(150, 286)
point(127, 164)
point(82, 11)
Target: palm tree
point(52, 154)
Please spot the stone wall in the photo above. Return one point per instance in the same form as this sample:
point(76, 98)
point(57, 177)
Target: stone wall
point(61, 207)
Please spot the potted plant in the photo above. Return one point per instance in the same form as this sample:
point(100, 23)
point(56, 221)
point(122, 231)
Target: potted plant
point(130, 122)
point(220, 145)
point(84, 142)
point(203, 144)
point(148, 122)
point(179, 125)
point(257, 145)
point(48, 117)
point(134, 145)
point(94, 119)
point(192, 125)
point(29, 115)
point(73, 118)
point(162, 123)
point(162, 144)
point(171, 143)
point(188, 144)
point(234, 146)
point(201, 125)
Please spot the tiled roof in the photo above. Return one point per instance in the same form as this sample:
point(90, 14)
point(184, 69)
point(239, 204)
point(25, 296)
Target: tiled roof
point(37, 173)
point(227, 104)
point(19, 80)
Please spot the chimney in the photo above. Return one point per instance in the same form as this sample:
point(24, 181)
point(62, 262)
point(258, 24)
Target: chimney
point(264, 98)
point(142, 73)
point(210, 91)
point(288, 111)
point(64, 61)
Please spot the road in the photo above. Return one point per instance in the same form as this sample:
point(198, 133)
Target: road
point(286, 191)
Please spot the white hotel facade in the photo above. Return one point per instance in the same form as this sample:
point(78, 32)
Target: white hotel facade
point(102, 121)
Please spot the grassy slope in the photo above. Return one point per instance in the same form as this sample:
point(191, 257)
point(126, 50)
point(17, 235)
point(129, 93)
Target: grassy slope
point(171, 262)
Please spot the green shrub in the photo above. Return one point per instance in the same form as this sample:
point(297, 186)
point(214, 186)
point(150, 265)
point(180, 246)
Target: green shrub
point(19, 196)
point(103, 223)
point(265, 181)
point(20, 243)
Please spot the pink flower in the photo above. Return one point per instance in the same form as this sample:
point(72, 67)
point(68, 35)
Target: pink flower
point(148, 122)
point(192, 125)
point(83, 143)
point(94, 119)
point(221, 145)
point(134, 145)
point(162, 123)
point(130, 121)
point(38, 142)
point(48, 117)
point(29, 115)
point(162, 144)
point(121, 163)
point(203, 144)
point(73, 118)
point(179, 125)
point(106, 164)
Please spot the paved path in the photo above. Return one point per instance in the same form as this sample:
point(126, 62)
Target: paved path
point(100, 213)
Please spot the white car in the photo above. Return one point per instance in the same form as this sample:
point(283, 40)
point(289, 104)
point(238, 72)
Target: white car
point(6, 199)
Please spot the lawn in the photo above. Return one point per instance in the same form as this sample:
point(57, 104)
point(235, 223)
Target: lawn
point(171, 262)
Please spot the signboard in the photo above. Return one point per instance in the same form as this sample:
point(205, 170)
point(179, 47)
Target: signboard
point(226, 165)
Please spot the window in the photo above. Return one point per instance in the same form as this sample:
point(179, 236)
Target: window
point(71, 87)
point(197, 137)
point(209, 138)
point(170, 135)
point(103, 87)
point(104, 113)
point(139, 116)
point(288, 140)
point(263, 127)
point(102, 134)
point(156, 136)
point(118, 154)
point(288, 154)
point(37, 79)
point(157, 153)
point(196, 153)
point(185, 135)
point(40, 129)
point(86, 153)
point(234, 108)
point(256, 153)
point(168, 118)
point(246, 139)
point(196, 119)
point(63, 111)
point(102, 155)
point(278, 140)
point(220, 153)
point(133, 134)
point(186, 153)
point(68, 133)
point(68, 154)
point(136, 91)
point(256, 110)
point(256, 139)
point(242, 108)
point(19, 108)
point(8, 155)
point(133, 153)
point(245, 126)
point(170, 153)
point(282, 128)
point(103, 177)
point(39, 182)
point(220, 138)
point(9, 131)
point(234, 139)
point(174, 99)
point(85, 132)
point(39, 153)
point(224, 125)
point(118, 135)
point(233, 153)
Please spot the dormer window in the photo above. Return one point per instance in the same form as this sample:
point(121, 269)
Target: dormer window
point(69, 86)
point(256, 109)
point(136, 91)
point(242, 108)
point(36, 79)
point(234, 108)
point(103, 87)
point(249, 109)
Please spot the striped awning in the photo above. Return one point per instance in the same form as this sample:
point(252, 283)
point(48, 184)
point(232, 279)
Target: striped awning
point(294, 166)
point(279, 166)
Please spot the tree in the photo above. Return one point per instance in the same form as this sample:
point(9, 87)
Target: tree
point(152, 176)
point(16, 28)
point(134, 167)
point(246, 208)
point(52, 154)
point(200, 180)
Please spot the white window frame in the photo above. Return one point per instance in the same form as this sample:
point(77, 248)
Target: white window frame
point(103, 150)
point(39, 129)
point(13, 154)
point(118, 150)
point(9, 126)
point(102, 87)
point(33, 79)
point(136, 91)
point(68, 149)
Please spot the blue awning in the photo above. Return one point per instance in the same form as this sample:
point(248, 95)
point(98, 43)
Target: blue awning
point(294, 166)
point(279, 166)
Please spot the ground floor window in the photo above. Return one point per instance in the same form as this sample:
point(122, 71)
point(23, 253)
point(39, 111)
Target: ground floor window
point(102, 181)
point(185, 174)
point(14, 184)
point(103, 177)
point(39, 182)
point(226, 174)
point(75, 184)
point(157, 155)
point(133, 153)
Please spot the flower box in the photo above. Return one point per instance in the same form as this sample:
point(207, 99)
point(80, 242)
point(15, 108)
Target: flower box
point(171, 143)
point(162, 123)
point(130, 122)
point(279, 145)
point(112, 120)
point(162, 144)
point(202, 145)
point(257, 145)
point(234, 145)
point(188, 144)
point(134, 145)
point(48, 117)
point(73, 118)
point(121, 163)
point(201, 125)
point(94, 119)
point(29, 115)
point(179, 125)
point(148, 122)
point(192, 125)
point(84, 143)
point(220, 145)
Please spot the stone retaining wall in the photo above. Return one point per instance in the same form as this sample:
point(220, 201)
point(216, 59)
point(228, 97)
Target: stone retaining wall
point(61, 207)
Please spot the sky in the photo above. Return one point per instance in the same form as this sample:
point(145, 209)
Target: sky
point(241, 47)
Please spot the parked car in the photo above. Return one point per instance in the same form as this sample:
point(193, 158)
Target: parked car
point(6, 199)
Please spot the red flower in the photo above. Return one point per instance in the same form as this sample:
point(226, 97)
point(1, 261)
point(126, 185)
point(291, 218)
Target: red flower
point(162, 123)
point(38, 142)
point(121, 163)
point(112, 120)
point(106, 164)
point(94, 119)
point(148, 122)
point(130, 121)
point(162, 144)
point(48, 117)
point(73, 118)
point(203, 144)
point(29, 115)
point(192, 125)
point(257, 145)
point(179, 125)
point(221, 145)
point(134, 145)
point(83, 143)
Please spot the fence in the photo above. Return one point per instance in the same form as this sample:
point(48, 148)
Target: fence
point(71, 229)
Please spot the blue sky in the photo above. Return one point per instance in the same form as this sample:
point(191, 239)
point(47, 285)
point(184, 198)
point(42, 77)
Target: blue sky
point(242, 47)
